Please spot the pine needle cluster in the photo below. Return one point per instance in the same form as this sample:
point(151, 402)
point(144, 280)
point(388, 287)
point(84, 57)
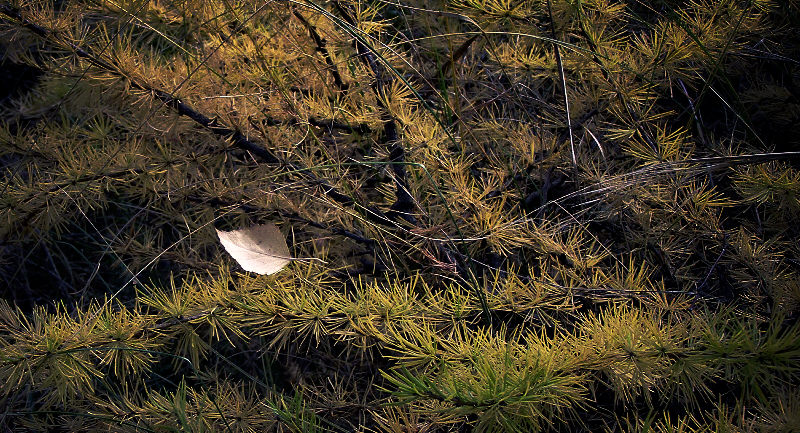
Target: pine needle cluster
point(511, 216)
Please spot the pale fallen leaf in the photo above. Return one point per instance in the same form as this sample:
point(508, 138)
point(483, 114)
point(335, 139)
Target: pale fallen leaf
point(261, 249)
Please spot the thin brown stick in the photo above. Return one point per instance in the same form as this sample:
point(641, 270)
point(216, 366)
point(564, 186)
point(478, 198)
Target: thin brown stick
point(322, 47)
point(404, 203)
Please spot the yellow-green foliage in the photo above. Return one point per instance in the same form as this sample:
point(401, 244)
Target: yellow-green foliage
point(536, 215)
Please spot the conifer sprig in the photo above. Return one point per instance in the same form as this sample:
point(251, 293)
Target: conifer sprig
point(544, 215)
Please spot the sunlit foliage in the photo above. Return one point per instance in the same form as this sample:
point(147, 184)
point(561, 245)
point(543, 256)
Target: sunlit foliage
point(537, 215)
